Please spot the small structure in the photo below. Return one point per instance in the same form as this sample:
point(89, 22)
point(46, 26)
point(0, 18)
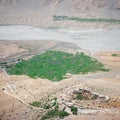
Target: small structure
point(67, 75)
point(89, 95)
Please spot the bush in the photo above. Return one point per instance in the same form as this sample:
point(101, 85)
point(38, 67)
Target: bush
point(46, 106)
point(36, 104)
point(80, 97)
point(54, 113)
point(50, 114)
point(49, 105)
point(63, 113)
point(74, 110)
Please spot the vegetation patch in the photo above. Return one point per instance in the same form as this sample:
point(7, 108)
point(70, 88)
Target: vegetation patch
point(36, 104)
point(55, 18)
point(47, 104)
point(115, 55)
point(54, 113)
point(80, 97)
point(52, 109)
point(74, 110)
point(54, 65)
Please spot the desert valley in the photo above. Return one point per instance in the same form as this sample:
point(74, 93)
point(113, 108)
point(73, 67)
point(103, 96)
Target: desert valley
point(60, 59)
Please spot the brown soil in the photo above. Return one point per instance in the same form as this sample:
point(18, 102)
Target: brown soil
point(107, 58)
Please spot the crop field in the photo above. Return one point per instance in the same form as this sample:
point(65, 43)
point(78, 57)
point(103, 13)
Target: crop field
point(54, 65)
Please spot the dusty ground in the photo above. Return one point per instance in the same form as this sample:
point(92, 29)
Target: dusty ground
point(16, 92)
point(40, 12)
point(106, 39)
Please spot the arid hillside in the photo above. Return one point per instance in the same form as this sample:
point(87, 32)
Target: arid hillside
point(41, 12)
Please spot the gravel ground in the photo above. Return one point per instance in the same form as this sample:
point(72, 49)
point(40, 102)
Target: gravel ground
point(92, 39)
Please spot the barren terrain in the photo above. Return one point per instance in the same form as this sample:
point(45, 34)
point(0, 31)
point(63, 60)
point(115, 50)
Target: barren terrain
point(41, 12)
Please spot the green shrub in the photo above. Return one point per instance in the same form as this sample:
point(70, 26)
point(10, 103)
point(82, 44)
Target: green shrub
point(36, 104)
point(47, 106)
point(50, 114)
point(74, 110)
point(63, 113)
point(54, 113)
point(80, 97)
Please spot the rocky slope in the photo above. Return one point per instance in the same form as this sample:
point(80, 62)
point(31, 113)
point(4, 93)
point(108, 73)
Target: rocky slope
point(40, 12)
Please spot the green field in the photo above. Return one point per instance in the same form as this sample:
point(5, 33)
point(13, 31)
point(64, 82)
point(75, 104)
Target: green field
point(56, 18)
point(115, 55)
point(53, 65)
